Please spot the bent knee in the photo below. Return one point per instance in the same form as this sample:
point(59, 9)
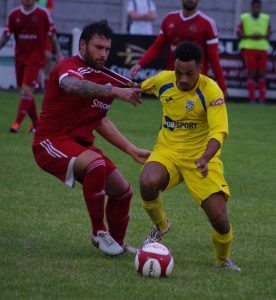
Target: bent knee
point(149, 186)
point(149, 181)
point(83, 161)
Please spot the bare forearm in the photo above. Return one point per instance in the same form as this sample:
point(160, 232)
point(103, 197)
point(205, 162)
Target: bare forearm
point(150, 16)
point(212, 148)
point(85, 88)
point(110, 132)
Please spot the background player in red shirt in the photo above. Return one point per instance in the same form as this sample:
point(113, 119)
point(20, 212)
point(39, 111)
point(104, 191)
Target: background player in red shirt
point(30, 25)
point(189, 24)
point(78, 96)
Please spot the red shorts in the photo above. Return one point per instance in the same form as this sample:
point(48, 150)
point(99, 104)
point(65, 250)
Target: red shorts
point(57, 156)
point(26, 74)
point(255, 60)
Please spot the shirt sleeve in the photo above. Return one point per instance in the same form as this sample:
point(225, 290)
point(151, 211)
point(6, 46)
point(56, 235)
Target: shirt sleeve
point(217, 115)
point(68, 69)
point(154, 51)
point(149, 86)
point(212, 32)
point(213, 58)
point(50, 24)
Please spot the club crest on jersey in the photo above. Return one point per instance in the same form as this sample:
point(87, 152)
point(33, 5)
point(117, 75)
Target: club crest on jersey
point(217, 102)
point(190, 104)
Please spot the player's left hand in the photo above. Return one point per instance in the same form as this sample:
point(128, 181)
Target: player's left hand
point(202, 165)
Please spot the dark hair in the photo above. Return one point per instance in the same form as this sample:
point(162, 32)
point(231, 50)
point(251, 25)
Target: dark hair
point(100, 28)
point(187, 51)
point(256, 2)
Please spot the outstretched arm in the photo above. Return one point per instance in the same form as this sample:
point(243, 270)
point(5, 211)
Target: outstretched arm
point(85, 88)
point(214, 60)
point(152, 53)
point(110, 132)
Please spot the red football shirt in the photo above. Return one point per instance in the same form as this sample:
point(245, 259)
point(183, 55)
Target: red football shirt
point(30, 29)
point(198, 28)
point(73, 117)
point(175, 28)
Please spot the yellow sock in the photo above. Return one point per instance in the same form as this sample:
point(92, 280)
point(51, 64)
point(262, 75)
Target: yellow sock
point(222, 244)
point(156, 212)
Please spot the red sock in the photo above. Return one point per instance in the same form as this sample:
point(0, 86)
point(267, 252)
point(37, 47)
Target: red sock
point(117, 215)
point(94, 193)
point(262, 90)
point(251, 90)
point(23, 108)
point(33, 113)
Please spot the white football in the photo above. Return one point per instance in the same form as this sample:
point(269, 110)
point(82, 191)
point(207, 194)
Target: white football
point(154, 260)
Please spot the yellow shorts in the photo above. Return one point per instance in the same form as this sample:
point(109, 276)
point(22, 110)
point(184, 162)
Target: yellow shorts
point(181, 167)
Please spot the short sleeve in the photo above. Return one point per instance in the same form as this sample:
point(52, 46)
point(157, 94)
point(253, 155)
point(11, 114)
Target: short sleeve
point(69, 69)
point(217, 114)
point(149, 86)
point(212, 32)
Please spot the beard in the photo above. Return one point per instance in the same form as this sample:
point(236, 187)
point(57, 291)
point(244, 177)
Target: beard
point(96, 64)
point(189, 5)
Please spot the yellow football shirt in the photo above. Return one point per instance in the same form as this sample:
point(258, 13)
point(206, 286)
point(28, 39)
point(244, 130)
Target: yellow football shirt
point(189, 118)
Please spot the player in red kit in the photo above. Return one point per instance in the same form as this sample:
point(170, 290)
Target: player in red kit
point(78, 96)
point(30, 26)
point(189, 24)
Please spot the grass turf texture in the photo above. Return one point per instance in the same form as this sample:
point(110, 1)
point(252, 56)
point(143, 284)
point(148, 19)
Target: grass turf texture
point(45, 245)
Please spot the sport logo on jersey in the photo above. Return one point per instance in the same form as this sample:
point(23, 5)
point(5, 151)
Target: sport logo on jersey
point(190, 104)
point(171, 125)
point(219, 101)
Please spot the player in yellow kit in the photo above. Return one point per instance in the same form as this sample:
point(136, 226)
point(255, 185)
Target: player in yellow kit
point(194, 126)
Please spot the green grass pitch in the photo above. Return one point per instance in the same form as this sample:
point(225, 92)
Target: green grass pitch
point(45, 250)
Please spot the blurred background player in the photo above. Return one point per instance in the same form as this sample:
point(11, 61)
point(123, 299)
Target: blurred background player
point(49, 5)
point(141, 14)
point(189, 24)
point(254, 31)
point(30, 26)
point(193, 127)
point(77, 99)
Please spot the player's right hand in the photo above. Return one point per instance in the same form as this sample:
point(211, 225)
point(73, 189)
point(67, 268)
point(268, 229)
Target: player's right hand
point(134, 70)
point(202, 166)
point(132, 95)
